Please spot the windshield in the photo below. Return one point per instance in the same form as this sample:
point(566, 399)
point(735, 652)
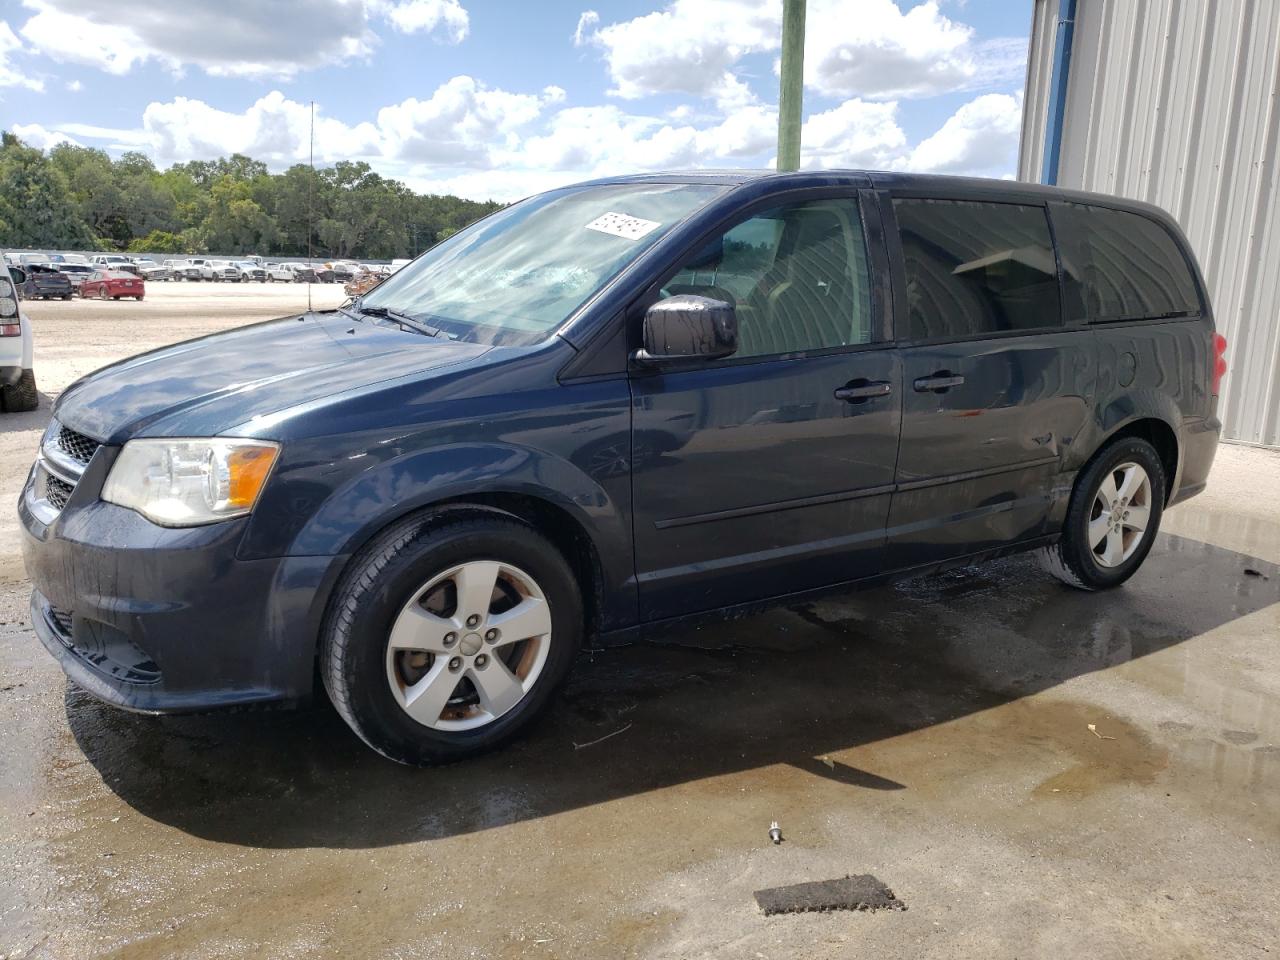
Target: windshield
point(515, 276)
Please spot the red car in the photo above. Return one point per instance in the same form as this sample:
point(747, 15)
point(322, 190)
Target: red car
point(111, 284)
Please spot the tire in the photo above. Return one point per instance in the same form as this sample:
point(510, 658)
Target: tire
point(139, 299)
point(22, 397)
point(1109, 562)
point(102, 292)
point(365, 679)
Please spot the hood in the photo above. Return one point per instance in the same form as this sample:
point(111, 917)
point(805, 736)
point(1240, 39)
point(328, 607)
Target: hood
point(207, 386)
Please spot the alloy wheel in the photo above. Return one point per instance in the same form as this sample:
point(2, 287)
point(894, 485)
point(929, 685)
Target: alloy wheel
point(469, 645)
point(1120, 514)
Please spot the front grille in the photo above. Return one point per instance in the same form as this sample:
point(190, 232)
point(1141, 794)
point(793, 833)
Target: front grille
point(76, 445)
point(57, 491)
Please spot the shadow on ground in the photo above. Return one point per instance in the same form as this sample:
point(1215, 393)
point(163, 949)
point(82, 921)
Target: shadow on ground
point(785, 687)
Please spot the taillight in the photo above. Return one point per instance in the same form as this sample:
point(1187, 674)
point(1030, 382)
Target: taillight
point(1219, 362)
point(10, 329)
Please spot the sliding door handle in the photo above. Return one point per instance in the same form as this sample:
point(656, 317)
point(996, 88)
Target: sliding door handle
point(859, 390)
point(940, 382)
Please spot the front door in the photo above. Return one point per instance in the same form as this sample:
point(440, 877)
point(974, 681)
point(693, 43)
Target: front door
point(770, 472)
point(995, 387)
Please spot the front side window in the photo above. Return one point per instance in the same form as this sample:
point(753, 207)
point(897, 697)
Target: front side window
point(796, 275)
point(517, 275)
point(1121, 266)
point(976, 268)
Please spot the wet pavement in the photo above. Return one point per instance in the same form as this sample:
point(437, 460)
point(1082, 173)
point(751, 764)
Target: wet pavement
point(936, 734)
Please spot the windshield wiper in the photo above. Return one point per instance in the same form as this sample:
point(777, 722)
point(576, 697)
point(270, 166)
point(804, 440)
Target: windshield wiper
point(400, 318)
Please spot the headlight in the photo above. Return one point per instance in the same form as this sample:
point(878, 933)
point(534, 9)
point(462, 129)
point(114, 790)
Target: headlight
point(182, 483)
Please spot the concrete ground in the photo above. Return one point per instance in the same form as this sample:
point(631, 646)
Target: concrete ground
point(936, 734)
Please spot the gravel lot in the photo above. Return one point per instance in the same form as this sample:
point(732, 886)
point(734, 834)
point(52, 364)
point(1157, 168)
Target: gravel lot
point(935, 734)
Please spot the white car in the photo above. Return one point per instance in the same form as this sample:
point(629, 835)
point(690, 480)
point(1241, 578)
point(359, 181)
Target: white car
point(278, 271)
point(219, 270)
point(17, 379)
point(111, 261)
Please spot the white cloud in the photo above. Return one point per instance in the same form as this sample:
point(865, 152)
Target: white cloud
point(688, 47)
point(461, 123)
point(587, 22)
point(855, 134)
point(425, 16)
point(11, 76)
point(883, 52)
point(34, 135)
point(871, 49)
point(980, 138)
point(74, 86)
point(235, 38)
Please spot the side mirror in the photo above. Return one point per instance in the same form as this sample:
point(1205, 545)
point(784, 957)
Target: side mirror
point(18, 275)
point(688, 327)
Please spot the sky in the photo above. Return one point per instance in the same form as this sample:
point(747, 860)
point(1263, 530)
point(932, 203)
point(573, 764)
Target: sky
point(497, 100)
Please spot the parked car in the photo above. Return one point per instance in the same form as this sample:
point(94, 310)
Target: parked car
point(684, 398)
point(45, 281)
point(150, 270)
point(110, 260)
point(112, 285)
point(344, 271)
point(278, 272)
point(68, 259)
point(77, 273)
point(302, 273)
point(251, 271)
point(17, 377)
point(183, 269)
point(219, 270)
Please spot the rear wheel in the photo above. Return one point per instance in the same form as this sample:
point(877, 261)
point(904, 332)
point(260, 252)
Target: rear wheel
point(22, 396)
point(102, 292)
point(449, 633)
point(1112, 519)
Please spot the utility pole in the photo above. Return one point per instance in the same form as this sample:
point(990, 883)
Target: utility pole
point(791, 93)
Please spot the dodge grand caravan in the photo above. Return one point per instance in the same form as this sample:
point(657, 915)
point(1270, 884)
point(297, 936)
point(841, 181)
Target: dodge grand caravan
point(607, 408)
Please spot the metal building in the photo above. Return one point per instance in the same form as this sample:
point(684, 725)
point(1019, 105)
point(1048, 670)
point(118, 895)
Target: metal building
point(1176, 102)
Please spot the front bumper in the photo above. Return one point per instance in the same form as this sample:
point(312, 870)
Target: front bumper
point(165, 620)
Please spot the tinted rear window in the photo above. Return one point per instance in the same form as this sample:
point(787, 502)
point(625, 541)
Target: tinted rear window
point(976, 268)
point(1120, 266)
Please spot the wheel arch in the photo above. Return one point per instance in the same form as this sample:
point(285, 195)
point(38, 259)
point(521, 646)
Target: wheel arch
point(550, 494)
point(1160, 434)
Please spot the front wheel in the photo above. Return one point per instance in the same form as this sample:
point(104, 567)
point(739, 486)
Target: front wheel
point(449, 633)
point(1112, 519)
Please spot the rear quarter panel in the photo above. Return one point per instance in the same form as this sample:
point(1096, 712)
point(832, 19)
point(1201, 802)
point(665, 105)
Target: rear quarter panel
point(1159, 369)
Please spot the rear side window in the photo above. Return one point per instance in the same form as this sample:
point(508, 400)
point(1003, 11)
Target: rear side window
point(976, 268)
point(1120, 266)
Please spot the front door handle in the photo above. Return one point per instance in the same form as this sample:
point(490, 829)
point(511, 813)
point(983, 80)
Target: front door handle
point(940, 382)
point(859, 391)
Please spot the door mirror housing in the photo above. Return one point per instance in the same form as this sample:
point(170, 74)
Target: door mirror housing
point(688, 327)
point(18, 275)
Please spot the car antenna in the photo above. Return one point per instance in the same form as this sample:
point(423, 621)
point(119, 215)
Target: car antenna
point(311, 210)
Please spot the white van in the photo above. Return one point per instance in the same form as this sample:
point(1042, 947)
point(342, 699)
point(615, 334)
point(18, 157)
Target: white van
point(17, 379)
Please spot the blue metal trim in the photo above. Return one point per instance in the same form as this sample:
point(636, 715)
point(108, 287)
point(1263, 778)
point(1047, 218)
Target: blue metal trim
point(1058, 90)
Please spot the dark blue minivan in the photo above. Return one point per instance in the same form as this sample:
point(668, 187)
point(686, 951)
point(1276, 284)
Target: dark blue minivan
point(608, 408)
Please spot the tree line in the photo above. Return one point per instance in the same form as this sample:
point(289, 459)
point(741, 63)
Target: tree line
point(79, 198)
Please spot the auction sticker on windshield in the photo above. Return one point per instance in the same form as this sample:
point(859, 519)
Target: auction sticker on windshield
point(621, 225)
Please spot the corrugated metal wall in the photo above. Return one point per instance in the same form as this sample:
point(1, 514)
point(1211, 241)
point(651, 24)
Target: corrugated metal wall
point(1176, 102)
